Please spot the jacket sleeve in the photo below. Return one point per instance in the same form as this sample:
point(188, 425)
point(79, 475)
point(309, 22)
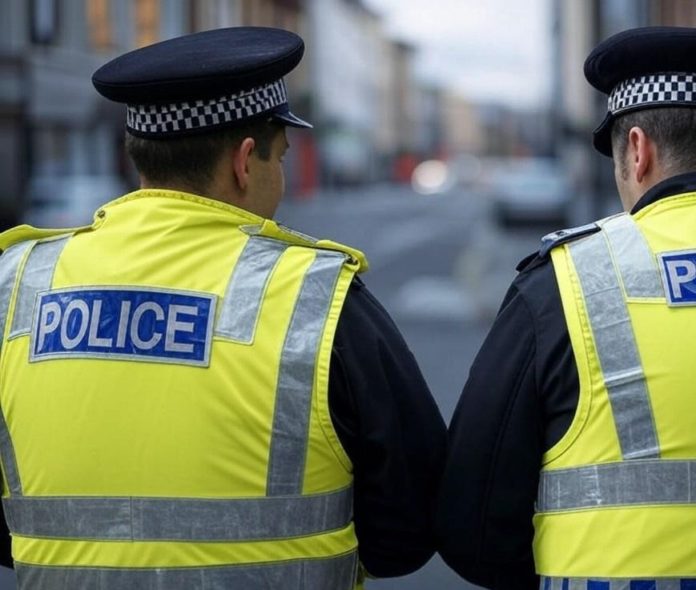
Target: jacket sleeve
point(391, 429)
point(518, 401)
point(5, 541)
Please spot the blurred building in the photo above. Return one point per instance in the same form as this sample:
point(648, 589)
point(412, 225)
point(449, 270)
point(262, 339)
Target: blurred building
point(373, 120)
point(579, 25)
point(345, 37)
point(461, 126)
point(56, 134)
point(673, 12)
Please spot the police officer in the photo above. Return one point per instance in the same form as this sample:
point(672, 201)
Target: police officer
point(192, 395)
point(574, 440)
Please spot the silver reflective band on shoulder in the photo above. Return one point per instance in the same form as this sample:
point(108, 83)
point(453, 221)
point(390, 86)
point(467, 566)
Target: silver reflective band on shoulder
point(599, 583)
point(242, 302)
point(173, 519)
point(332, 573)
point(636, 263)
point(296, 379)
point(37, 276)
point(616, 347)
point(628, 483)
point(9, 263)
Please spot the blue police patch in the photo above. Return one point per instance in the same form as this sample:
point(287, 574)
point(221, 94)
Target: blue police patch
point(679, 277)
point(120, 323)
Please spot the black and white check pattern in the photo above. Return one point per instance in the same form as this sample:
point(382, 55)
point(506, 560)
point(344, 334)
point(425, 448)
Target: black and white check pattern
point(163, 119)
point(669, 88)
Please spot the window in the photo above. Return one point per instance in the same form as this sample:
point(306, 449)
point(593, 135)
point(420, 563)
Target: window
point(147, 22)
point(100, 24)
point(44, 21)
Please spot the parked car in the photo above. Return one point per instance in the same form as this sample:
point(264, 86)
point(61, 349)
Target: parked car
point(532, 191)
point(70, 200)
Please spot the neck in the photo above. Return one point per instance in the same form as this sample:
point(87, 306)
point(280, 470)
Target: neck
point(215, 191)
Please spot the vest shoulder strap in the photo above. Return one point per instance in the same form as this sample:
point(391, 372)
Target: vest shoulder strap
point(273, 230)
point(23, 233)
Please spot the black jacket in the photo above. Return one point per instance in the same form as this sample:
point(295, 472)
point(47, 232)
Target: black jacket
point(519, 401)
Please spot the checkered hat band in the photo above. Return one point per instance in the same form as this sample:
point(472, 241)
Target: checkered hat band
point(186, 116)
point(654, 89)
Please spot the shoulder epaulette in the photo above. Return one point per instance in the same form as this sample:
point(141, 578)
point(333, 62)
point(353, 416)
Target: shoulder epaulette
point(563, 236)
point(550, 241)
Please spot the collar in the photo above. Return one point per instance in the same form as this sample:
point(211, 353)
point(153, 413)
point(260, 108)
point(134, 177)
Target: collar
point(174, 196)
point(676, 185)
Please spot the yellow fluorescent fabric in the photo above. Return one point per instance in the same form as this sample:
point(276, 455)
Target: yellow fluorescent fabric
point(647, 540)
point(105, 428)
point(148, 554)
point(568, 540)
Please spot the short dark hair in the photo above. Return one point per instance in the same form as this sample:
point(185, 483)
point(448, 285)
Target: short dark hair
point(673, 129)
point(190, 161)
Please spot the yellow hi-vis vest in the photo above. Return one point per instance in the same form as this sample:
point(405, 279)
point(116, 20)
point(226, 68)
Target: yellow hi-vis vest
point(617, 497)
point(163, 386)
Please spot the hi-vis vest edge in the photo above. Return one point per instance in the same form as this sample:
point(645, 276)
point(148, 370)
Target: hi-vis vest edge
point(617, 497)
point(289, 527)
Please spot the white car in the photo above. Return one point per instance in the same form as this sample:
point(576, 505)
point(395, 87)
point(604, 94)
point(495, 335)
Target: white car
point(532, 191)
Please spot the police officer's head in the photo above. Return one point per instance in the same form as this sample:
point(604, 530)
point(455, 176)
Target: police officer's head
point(649, 75)
point(206, 113)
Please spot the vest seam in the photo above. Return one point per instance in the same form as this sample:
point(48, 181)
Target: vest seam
point(324, 412)
point(581, 317)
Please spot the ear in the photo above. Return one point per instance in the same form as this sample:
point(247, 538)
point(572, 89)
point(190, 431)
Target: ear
point(642, 152)
point(240, 162)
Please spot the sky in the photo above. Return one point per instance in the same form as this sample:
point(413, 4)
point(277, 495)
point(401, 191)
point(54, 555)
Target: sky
point(488, 50)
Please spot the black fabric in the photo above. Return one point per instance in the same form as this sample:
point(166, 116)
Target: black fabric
point(518, 401)
point(641, 51)
point(201, 65)
point(5, 542)
point(392, 430)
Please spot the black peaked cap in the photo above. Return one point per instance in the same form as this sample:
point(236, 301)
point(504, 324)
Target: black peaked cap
point(634, 53)
point(637, 52)
point(200, 65)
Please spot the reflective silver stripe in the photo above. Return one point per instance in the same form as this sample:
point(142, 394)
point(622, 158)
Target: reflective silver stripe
point(9, 461)
point(334, 573)
point(296, 378)
point(616, 347)
point(244, 295)
point(36, 276)
point(9, 263)
point(161, 519)
point(633, 257)
point(618, 484)
point(548, 583)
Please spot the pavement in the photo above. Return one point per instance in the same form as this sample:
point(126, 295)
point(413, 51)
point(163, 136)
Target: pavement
point(440, 265)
